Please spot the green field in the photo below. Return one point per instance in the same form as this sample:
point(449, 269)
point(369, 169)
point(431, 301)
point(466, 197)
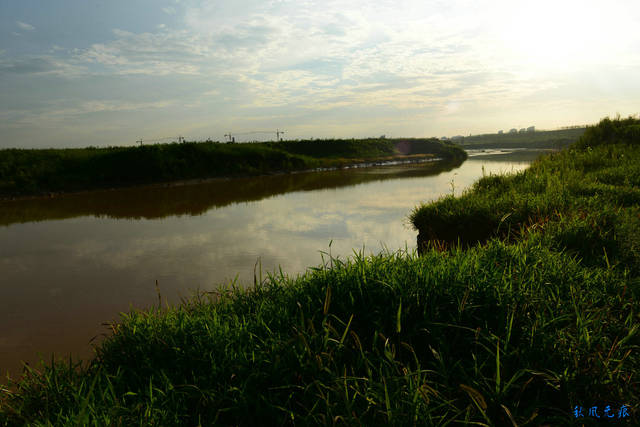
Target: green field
point(552, 139)
point(40, 172)
point(523, 305)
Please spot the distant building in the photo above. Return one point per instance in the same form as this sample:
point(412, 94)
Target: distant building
point(531, 129)
point(444, 138)
point(523, 130)
point(514, 130)
point(500, 132)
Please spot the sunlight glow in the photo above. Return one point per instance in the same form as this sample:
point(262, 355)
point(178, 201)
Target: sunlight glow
point(559, 35)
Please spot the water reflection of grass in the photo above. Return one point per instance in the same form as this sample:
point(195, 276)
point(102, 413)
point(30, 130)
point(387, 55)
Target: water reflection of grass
point(195, 199)
point(540, 318)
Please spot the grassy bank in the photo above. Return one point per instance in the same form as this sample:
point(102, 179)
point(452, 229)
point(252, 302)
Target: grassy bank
point(541, 318)
point(36, 172)
point(594, 182)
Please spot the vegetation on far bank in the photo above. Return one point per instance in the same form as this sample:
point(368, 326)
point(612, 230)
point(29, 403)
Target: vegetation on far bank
point(36, 172)
point(539, 319)
point(551, 139)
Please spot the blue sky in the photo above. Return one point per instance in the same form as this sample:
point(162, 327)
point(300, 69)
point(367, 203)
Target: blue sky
point(87, 72)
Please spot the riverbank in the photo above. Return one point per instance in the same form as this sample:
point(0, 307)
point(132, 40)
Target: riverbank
point(40, 173)
point(335, 165)
point(596, 172)
point(534, 323)
point(196, 197)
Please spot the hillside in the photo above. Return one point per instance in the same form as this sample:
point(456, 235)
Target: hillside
point(552, 139)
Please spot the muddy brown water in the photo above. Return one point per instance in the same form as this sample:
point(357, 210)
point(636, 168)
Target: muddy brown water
point(72, 263)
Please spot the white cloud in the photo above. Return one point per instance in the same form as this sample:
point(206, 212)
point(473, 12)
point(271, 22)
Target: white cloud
point(41, 65)
point(99, 106)
point(25, 26)
point(58, 113)
point(284, 53)
point(160, 53)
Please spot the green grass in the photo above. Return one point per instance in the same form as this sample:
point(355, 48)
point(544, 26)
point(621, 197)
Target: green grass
point(490, 333)
point(540, 317)
point(594, 184)
point(37, 172)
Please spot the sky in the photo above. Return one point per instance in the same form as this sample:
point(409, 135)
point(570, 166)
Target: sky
point(76, 73)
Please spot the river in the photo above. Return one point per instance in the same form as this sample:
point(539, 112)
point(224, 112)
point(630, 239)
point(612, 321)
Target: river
point(72, 263)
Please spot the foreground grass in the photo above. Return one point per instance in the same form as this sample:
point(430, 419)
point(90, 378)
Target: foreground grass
point(492, 334)
point(36, 172)
point(539, 319)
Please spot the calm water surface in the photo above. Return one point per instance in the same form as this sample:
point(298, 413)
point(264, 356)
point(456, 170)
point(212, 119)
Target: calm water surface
point(72, 263)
